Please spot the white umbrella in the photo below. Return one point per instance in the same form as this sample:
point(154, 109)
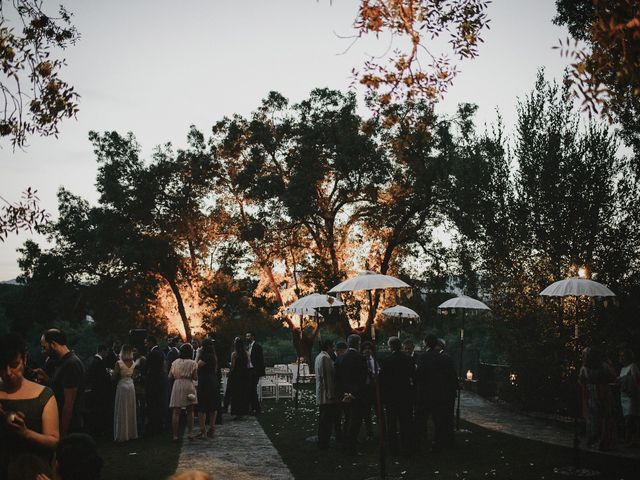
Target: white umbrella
point(401, 312)
point(308, 304)
point(367, 280)
point(577, 287)
point(463, 303)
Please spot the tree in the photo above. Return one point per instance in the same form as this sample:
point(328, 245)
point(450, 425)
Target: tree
point(606, 72)
point(531, 217)
point(416, 23)
point(35, 98)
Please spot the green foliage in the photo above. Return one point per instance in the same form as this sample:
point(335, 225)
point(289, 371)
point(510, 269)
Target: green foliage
point(559, 199)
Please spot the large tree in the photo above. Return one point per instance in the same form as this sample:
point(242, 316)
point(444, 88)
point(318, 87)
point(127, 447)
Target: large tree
point(557, 199)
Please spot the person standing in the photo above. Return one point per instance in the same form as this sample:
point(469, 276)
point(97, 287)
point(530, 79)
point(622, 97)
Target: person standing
point(98, 383)
point(370, 404)
point(629, 381)
point(436, 385)
point(67, 381)
point(155, 386)
point(351, 375)
point(29, 411)
point(240, 381)
point(325, 393)
point(256, 369)
point(208, 388)
point(184, 371)
point(125, 424)
point(396, 376)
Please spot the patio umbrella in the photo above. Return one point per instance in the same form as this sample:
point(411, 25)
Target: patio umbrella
point(308, 306)
point(577, 287)
point(463, 303)
point(370, 281)
point(401, 312)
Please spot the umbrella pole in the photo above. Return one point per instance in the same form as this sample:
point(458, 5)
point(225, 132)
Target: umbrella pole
point(460, 380)
point(298, 373)
point(576, 438)
point(381, 423)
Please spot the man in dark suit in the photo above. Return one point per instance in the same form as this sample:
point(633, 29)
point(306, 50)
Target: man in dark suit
point(351, 375)
point(437, 384)
point(98, 388)
point(256, 369)
point(155, 386)
point(396, 376)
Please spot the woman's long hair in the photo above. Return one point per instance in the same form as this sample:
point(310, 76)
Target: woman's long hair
point(126, 352)
point(208, 354)
point(241, 353)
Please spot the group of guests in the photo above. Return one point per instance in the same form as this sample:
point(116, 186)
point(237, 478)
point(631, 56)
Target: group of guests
point(46, 412)
point(180, 378)
point(598, 379)
point(412, 389)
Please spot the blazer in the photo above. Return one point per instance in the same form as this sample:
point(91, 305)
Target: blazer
point(257, 360)
point(325, 379)
point(396, 378)
point(352, 373)
point(436, 378)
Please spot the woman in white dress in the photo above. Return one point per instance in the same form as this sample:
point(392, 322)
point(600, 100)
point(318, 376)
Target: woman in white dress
point(125, 426)
point(184, 371)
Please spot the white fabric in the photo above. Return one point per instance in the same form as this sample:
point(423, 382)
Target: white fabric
point(125, 425)
point(400, 312)
point(369, 281)
point(308, 304)
point(464, 302)
point(577, 287)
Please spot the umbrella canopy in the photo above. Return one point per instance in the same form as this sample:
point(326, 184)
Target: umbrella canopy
point(464, 302)
point(577, 287)
point(308, 304)
point(400, 312)
point(368, 280)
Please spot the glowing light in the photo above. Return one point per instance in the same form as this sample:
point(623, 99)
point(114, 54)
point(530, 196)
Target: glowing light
point(583, 272)
point(513, 378)
point(469, 375)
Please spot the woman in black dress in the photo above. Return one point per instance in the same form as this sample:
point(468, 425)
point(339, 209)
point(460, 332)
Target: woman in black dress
point(240, 380)
point(208, 388)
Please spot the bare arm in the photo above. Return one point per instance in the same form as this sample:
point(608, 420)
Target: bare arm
point(233, 360)
point(50, 435)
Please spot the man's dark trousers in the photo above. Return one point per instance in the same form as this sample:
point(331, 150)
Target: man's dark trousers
point(325, 424)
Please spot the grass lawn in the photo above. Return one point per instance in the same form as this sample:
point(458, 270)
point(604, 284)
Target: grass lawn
point(144, 459)
point(480, 453)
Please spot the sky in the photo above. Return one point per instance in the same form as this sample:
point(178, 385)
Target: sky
point(155, 67)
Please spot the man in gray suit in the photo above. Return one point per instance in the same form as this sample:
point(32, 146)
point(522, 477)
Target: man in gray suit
point(325, 393)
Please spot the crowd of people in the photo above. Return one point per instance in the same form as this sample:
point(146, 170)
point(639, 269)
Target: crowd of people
point(415, 387)
point(412, 389)
point(59, 407)
point(46, 412)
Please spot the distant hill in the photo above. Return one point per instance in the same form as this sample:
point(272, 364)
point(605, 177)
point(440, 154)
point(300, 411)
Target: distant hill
point(10, 282)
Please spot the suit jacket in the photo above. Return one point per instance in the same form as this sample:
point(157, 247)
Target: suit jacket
point(436, 378)
point(396, 377)
point(257, 359)
point(98, 379)
point(325, 379)
point(352, 373)
point(155, 365)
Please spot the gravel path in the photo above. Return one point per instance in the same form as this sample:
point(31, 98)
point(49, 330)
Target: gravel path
point(484, 413)
point(240, 450)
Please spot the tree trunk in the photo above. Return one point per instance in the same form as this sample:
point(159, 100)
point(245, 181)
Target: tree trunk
point(181, 310)
point(304, 346)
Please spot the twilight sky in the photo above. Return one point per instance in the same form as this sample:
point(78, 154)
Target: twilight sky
point(154, 67)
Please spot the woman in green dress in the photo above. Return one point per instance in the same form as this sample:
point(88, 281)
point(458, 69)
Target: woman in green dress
point(28, 412)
